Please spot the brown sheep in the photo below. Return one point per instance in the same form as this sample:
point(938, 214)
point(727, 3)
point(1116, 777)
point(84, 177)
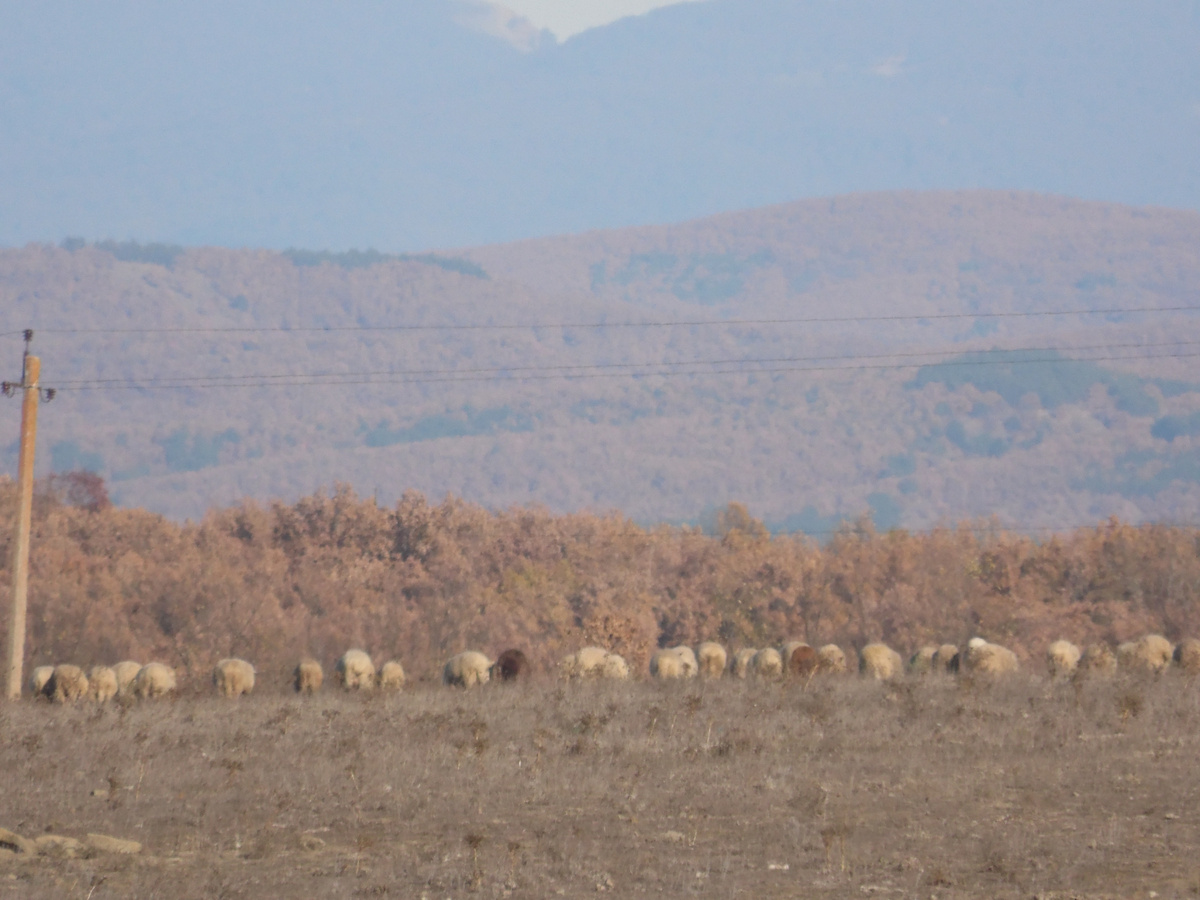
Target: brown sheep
point(67, 684)
point(511, 665)
point(308, 677)
point(803, 662)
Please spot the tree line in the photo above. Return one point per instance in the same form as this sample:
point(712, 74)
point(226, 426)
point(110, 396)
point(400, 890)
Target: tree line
point(421, 580)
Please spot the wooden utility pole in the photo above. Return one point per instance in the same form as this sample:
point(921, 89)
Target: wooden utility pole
point(20, 561)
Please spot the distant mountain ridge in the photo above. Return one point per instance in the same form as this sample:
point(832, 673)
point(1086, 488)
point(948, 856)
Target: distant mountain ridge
point(335, 126)
point(920, 356)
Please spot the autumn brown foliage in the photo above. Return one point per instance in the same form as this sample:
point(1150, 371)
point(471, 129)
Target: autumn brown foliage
point(421, 581)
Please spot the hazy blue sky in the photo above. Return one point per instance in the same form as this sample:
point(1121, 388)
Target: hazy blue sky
point(375, 123)
point(569, 17)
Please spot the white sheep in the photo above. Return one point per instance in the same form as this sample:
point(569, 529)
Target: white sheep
point(126, 671)
point(102, 684)
point(355, 671)
point(767, 663)
point(712, 659)
point(1097, 660)
point(739, 666)
point(880, 662)
point(1062, 659)
point(921, 662)
point(1151, 653)
point(946, 659)
point(467, 669)
point(391, 675)
point(985, 658)
point(585, 663)
point(308, 676)
point(67, 684)
point(691, 667)
point(831, 660)
point(153, 680)
point(39, 678)
point(666, 664)
point(1187, 656)
point(614, 667)
point(233, 677)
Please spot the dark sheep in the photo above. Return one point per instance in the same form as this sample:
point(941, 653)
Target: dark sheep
point(803, 661)
point(510, 666)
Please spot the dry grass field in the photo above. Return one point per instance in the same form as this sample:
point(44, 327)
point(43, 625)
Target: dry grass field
point(940, 788)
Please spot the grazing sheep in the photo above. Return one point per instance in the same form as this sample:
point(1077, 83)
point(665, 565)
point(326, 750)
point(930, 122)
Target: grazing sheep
point(1062, 659)
point(153, 680)
point(102, 684)
point(67, 684)
point(767, 663)
point(803, 662)
point(1097, 660)
point(391, 675)
point(1151, 653)
point(787, 648)
point(739, 666)
point(308, 676)
point(466, 669)
point(984, 658)
point(666, 664)
point(594, 662)
point(585, 663)
point(691, 667)
point(921, 662)
point(233, 677)
point(712, 659)
point(126, 671)
point(1187, 656)
point(831, 660)
point(355, 671)
point(38, 680)
point(946, 659)
point(614, 667)
point(880, 662)
point(510, 665)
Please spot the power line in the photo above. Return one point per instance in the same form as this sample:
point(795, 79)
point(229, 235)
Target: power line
point(679, 323)
point(502, 370)
point(436, 376)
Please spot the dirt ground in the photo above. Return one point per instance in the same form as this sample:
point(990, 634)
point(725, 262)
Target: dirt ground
point(938, 787)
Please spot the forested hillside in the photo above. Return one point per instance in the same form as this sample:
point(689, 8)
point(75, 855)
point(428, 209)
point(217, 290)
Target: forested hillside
point(922, 357)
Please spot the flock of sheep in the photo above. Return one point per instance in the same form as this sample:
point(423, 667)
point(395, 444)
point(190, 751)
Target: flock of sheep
point(356, 672)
